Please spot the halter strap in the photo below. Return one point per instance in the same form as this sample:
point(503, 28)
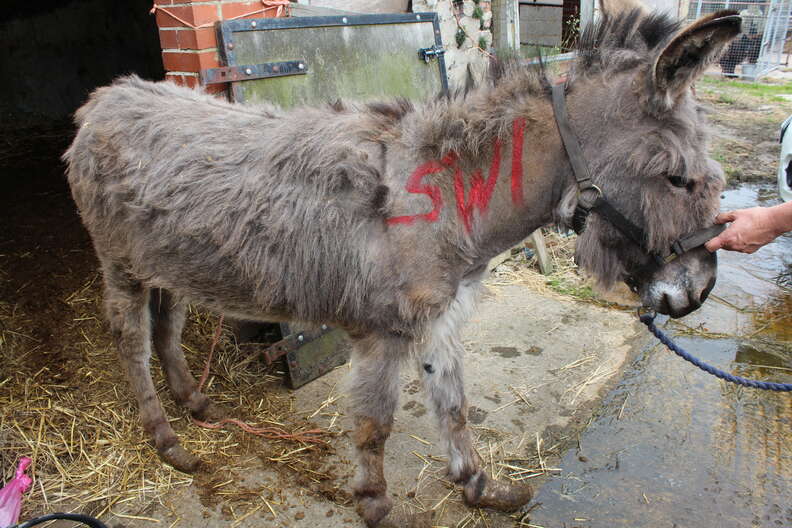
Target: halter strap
point(591, 198)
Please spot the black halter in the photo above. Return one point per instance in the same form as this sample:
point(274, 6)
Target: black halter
point(591, 198)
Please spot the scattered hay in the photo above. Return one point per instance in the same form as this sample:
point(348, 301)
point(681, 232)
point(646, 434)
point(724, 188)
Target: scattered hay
point(65, 404)
point(505, 456)
point(566, 282)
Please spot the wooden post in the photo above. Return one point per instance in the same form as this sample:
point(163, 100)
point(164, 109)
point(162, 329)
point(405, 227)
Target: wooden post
point(506, 25)
point(545, 262)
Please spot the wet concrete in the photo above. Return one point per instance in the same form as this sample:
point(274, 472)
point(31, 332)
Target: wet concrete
point(673, 446)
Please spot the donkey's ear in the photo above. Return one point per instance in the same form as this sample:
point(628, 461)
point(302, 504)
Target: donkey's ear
point(690, 52)
point(611, 8)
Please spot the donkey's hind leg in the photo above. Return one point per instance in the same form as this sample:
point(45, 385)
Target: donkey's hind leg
point(127, 307)
point(441, 371)
point(168, 315)
point(374, 394)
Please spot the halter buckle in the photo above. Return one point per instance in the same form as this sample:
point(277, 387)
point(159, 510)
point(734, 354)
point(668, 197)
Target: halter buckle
point(588, 204)
point(646, 313)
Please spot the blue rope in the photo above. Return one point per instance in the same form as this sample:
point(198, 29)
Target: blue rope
point(648, 320)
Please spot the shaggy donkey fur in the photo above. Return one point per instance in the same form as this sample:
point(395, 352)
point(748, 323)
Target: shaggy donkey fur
point(381, 218)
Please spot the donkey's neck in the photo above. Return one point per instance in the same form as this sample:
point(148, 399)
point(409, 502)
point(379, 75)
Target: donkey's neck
point(506, 178)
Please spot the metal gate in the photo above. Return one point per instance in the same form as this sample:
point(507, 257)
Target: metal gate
point(760, 48)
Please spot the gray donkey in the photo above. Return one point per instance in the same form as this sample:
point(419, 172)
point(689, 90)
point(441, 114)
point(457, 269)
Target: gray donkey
point(380, 218)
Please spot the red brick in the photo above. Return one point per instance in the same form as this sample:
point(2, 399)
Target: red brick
point(238, 9)
point(217, 89)
point(169, 2)
point(169, 39)
point(189, 62)
point(196, 15)
point(184, 80)
point(188, 38)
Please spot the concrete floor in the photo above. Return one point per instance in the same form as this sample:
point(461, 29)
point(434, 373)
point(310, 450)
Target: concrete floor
point(536, 367)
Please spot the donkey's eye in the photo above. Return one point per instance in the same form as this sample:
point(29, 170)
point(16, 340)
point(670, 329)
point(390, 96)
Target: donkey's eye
point(678, 181)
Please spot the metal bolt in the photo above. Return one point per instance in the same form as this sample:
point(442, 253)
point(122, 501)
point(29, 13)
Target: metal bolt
point(344, 20)
point(301, 66)
point(300, 337)
point(253, 24)
point(230, 45)
point(248, 71)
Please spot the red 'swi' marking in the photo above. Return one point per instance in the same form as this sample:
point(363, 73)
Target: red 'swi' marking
point(432, 191)
point(480, 190)
point(518, 132)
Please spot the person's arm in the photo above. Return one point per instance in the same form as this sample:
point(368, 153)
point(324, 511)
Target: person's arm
point(752, 228)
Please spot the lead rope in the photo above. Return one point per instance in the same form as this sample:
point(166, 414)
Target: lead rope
point(648, 320)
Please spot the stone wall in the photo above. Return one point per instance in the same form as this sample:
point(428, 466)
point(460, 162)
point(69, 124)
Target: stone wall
point(467, 36)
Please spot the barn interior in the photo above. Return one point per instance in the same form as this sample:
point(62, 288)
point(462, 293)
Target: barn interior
point(55, 53)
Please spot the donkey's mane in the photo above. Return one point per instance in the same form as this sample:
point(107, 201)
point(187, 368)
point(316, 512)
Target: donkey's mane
point(623, 41)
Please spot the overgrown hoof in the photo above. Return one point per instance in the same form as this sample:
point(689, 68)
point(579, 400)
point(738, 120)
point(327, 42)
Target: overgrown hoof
point(408, 520)
point(372, 509)
point(179, 458)
point(212, 413)
point(483, 492)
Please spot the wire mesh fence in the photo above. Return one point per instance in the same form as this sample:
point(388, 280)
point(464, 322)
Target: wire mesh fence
point(760, 48)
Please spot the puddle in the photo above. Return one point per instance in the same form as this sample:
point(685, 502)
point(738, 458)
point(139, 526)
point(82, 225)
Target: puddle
point(674, 446)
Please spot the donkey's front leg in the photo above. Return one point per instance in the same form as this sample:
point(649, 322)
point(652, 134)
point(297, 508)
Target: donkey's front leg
point(441, 367)
point(374, 393)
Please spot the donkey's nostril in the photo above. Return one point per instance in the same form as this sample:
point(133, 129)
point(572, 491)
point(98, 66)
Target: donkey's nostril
point(665, 305)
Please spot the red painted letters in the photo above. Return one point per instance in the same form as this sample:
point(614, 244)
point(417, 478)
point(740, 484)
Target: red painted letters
point(480, 189)
point(518, 132)
point(432, 191)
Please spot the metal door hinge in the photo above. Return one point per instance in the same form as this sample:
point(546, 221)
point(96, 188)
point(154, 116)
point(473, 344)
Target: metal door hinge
point(253, 71)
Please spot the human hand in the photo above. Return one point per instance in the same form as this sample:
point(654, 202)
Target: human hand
point(750, 229)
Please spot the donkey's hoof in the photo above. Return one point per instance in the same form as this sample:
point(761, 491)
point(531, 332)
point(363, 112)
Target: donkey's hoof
point(212, 413)
point(372, 509)
point(483, 492)
point(407, 520)
point(179, 458)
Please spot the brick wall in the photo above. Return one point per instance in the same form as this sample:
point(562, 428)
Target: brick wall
point(187, 34)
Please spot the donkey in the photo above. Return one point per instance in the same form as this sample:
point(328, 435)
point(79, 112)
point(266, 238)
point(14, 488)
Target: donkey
point(380, 218)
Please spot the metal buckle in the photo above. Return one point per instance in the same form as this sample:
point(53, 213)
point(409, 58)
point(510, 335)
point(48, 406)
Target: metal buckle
point(643, 311)
point(585, 203)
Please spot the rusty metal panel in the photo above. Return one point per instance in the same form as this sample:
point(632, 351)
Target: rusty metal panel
point(316, 358)
point(356, 57)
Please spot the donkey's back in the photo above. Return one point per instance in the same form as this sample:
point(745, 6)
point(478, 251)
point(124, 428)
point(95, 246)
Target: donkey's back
point(225, 205)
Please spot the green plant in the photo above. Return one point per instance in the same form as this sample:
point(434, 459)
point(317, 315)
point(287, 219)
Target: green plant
point(567, 287)
point(478, 12)
point(727, 99)
point(762, 90)
point(460, 37)
point(482, 44)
